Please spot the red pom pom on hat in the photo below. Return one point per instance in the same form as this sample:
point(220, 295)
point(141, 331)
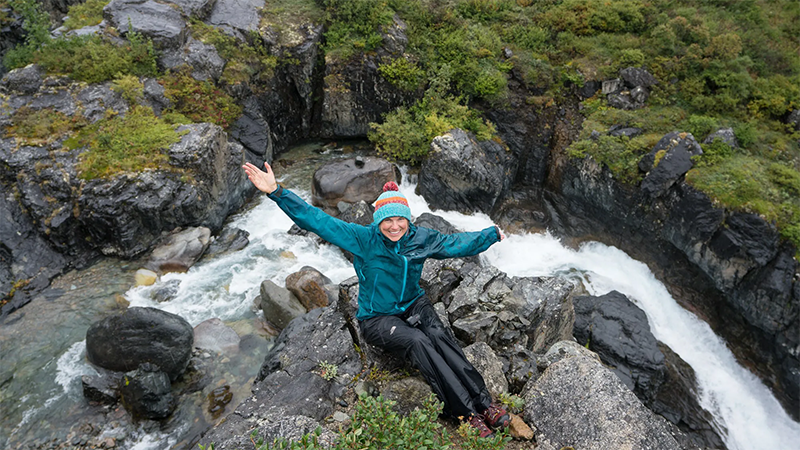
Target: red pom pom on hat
point(390, 186)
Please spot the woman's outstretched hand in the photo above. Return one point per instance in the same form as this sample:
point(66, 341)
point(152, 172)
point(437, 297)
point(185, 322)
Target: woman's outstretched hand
point(264, 181)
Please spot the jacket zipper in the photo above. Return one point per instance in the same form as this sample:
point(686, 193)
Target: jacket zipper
point(405, 273)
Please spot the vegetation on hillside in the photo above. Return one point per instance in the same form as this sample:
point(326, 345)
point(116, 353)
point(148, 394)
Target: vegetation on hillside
point(719, 64)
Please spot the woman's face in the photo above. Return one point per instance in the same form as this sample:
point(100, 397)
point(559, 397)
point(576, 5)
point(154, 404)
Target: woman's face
point(394, 228)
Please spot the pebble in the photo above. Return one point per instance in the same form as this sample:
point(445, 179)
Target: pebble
point(340, 416)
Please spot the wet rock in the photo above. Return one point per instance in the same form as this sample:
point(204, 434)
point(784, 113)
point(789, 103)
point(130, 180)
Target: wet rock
point(160, 22)
point(464, 175)
point(350, 182)
point(124, 341)
point(180, 250)
point(214, 335)
point(229, 240)
point(309, 287)
point(253, 131)
point(355, 94)
point(146, 393)
point(618, 331)
point(27, 261)
point(145, 277)
point(166, 291)
point(580, 403)
point(280, 306)
point(218, 399)
point(100, 389)
point(490, 367)
point(669, 160)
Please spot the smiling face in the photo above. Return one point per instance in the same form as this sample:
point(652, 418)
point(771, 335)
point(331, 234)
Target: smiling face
point(394, 228)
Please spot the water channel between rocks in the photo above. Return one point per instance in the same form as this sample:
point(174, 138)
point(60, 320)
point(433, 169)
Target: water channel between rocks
point(43, 347)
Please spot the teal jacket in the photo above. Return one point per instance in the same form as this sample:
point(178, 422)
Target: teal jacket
point(388, 272)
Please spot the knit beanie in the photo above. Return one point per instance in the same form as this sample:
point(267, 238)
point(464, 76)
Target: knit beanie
point(391, 203)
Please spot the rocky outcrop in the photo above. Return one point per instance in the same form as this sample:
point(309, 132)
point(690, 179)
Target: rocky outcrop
point(291, 397)
point(463, 174)
point(618, 331)
point(141, 335)
point(579, 403)
point(354, 94)
point(731, 268)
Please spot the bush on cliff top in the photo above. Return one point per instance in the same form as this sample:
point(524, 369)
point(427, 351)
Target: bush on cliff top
point(85, 14)
point(200, 101)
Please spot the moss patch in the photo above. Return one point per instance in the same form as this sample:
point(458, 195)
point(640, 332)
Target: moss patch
point(129, 143)
point(200, 101)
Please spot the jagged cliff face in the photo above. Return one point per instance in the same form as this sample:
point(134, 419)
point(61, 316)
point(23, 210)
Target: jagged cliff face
point(729, 268)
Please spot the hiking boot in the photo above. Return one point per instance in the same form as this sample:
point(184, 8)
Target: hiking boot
point(496, 416)
point(476, 421)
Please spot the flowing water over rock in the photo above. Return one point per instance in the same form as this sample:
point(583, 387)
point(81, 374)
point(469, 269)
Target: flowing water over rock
point(43, 349)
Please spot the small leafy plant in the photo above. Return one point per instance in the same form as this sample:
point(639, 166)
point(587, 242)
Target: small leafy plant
point(328, 371)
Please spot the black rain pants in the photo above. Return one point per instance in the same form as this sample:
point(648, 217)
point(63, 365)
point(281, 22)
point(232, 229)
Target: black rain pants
point(435, 353)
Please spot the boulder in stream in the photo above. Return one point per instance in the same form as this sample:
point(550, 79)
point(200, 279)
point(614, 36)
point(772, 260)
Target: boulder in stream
point(147, 393)
point(124, 341)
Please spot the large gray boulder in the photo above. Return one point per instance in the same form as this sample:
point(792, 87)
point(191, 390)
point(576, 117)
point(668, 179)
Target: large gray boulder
point(141, 335)
point(158, 21)
point(351, 181)
point(203, 59)
point(279, 305)
point(463, 174)
point(236, 17)
point(579, 403)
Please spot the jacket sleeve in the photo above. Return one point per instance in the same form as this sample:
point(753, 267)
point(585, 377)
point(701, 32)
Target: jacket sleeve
point(459, 245)
point(345, 235)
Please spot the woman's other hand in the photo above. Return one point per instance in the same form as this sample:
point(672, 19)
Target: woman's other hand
point(264, 181)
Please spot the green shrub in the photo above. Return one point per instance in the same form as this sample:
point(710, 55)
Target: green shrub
point(93, 59)
point(586, 17)
point(375, 425)
point(129, 87)
point(85, 14)
point(129, 143)
point(713, 153)
point(620, 154)
point(36, 24)
point(354, 26)
point(402, 73)
point(700, 126)
point(406, 133)
point(200, 101)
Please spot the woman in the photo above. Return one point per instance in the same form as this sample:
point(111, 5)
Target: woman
point(394, 313)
